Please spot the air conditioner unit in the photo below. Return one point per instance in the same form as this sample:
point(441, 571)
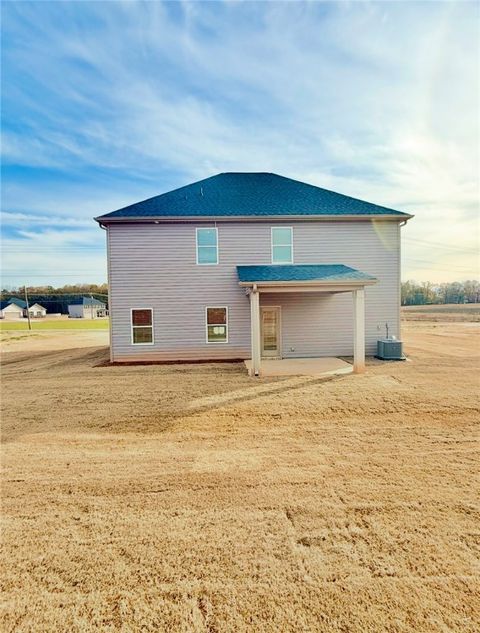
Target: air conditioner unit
point(390, 349)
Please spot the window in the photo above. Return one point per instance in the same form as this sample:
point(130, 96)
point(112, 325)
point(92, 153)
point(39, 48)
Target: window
point(282, 245)
point(207, 246)
point(142, 326)
point(217, 325)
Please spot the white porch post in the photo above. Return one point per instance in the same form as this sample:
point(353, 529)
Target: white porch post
point(359, 330)
point(255, 330)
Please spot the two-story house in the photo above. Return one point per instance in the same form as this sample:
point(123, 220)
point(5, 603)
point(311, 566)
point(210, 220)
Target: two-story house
point(251, 265)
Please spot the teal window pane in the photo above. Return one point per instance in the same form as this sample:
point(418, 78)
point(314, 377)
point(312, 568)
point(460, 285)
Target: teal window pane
point(207, 254)
point(282, 255)
point(207, 237)
point(281, 237)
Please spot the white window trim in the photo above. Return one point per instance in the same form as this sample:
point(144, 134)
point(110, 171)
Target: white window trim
point(213, 324)
point(199, 228)
point(271, 244)
point(133, 326)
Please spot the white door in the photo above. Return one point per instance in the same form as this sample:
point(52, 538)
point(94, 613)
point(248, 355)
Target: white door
point(270, 332)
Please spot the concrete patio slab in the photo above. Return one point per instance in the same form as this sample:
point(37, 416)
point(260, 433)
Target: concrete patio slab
point(302, 367)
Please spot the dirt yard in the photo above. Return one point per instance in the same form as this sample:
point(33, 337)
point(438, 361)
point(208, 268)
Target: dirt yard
point(197, 499)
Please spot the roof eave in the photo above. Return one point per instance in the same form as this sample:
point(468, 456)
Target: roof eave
point(312, 282)
point(105, 220)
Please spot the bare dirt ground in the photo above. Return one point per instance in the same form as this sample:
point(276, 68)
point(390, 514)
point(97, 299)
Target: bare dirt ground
point(196, 499)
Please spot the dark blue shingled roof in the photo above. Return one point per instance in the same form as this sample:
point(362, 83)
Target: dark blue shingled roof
point(249, 194)
point(301, 272)
point(18, 302)
point(87, 301)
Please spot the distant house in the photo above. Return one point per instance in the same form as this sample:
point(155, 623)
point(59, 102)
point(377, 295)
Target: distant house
point(13, 308)
point(37, 311)
point(87, 308)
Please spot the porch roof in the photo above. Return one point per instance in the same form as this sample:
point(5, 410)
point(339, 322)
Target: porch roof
point(302, 274)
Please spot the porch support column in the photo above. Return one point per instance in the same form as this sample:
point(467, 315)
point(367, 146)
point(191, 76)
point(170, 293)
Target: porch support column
point(359, 331)
point(255, 330)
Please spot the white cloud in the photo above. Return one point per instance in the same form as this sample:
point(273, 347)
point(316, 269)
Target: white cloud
point(376, 100)
point(54, 257)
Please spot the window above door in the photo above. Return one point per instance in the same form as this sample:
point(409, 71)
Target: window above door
point(282, 245)
point(207, 246)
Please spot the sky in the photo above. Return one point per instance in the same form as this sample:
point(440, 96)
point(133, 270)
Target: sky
point(108, 103)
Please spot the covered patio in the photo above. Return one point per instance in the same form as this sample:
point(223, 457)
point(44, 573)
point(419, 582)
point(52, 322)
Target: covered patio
point(303, 278)
point(327, 366)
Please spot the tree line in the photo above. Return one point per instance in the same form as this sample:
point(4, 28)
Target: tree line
point(413, 292)
point(85, 289)
point(425, 292)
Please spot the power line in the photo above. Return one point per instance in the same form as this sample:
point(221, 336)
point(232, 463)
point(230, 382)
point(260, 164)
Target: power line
point(418, 239)
point(50, 274)
point(441, 270)
point(428, 261)
point(434, 266)
point(54, 246)
point(442, 246)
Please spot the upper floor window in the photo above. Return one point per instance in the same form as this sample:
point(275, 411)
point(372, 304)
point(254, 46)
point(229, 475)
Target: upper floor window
point(207, 246)
point(282, 245)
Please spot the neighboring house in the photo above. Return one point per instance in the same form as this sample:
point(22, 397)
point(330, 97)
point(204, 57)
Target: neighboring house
point(87, 308)
point(37, 311)
point(13, 308)
point(252, 265)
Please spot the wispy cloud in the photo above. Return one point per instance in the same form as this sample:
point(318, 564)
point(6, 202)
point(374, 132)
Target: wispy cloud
point(108, 103)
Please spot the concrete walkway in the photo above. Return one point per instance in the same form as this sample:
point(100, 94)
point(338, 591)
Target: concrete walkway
point(303, 367)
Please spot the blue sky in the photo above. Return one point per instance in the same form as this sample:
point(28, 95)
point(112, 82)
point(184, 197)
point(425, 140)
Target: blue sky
point(108, 103)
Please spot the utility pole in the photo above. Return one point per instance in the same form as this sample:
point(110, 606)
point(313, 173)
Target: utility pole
point(28, 307)
point(91, 306)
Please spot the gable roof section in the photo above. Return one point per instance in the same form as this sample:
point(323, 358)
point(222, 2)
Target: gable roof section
point(325, 273)
point(4, 304)
point(18, 302)
point(87, 301)
point(232, 194)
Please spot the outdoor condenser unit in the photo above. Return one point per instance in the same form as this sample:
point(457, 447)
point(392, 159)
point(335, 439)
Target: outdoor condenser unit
point(389, 348)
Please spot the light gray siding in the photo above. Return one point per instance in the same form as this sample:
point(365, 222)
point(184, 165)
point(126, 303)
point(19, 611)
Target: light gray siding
point(154, 266)
point(80, 311)
point(12, 311)
point(76, 310)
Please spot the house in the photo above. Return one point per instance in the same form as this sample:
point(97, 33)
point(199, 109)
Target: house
point(251, 265)
point(87, 308)
point(13, 308)
point(37, 311)
point(17, 309)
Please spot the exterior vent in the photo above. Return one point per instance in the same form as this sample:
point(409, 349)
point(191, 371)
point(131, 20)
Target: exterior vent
point(390, 349)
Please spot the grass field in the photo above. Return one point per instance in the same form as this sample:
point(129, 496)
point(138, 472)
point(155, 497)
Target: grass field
point(464, 308)
point(55, 324)
point(194, 499)
point(453, 312)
